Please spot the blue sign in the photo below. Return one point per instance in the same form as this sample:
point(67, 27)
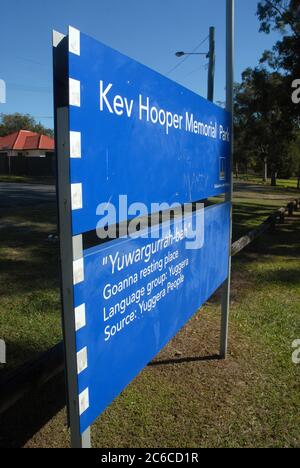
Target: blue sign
point(132, 133)
point(137, 133)
point(137, 294)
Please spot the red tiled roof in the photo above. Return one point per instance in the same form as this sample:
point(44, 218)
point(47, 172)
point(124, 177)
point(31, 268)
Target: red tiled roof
point(21, 138)
point(8, 141)
point(46, 142)
point(25, 139)
point(31, 142)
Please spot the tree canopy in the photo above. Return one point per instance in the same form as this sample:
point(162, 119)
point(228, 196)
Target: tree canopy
point(267, 122)
point(11, 123)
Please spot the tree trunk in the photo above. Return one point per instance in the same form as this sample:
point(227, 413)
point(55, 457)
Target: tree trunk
point(237, 170)
point(265, 170)
point(298, 184)
point(274, 179)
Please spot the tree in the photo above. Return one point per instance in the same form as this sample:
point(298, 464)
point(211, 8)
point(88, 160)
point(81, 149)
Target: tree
point(267, 121)
point(11, 123)
point(283, 16)
point(263, 130)
point(244, 150)
point(294, 151)
point(279, 15)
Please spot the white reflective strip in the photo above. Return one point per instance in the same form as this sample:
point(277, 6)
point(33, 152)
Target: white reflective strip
point(82, 360)
point(76, 196)
point(77, 247)
point(78, 271)
point(57, 37)
point(74, 92)
point(84, 401)
point(75, 144)
point(74, 41)
point(80, 317)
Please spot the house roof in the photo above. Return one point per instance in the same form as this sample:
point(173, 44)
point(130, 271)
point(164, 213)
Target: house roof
point(26, 140)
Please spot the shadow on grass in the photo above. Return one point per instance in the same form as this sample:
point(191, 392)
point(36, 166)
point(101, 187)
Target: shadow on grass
point(265, 189)
point(185, 360)
point(31, 413)
point(247, 217)
point(38, 407)
point(284, 241)
point(28, 262)
point(290, 276)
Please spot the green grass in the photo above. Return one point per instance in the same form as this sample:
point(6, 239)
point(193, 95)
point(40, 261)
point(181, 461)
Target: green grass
point(253, 205)
point(29, 287)
point(291, 183)
point(253, 399)
point(47, 180)
point(250, 400)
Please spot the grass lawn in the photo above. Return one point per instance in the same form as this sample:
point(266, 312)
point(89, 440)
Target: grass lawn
point(29, 286)
point(47, 180)
point(182, 399)
point(253, 204)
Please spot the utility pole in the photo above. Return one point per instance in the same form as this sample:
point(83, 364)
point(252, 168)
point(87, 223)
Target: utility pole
point(230, 15)
point(211, 55)
point(211, 66)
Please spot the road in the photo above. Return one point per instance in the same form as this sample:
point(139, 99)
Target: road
point(17, 194)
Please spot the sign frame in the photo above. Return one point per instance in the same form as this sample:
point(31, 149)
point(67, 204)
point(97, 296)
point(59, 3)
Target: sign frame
point(71, 250)
point(61, 116)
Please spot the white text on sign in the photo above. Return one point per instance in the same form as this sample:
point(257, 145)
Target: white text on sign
point(124, 106)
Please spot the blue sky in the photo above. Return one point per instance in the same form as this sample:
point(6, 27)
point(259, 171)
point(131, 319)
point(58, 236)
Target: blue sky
point(150, 31)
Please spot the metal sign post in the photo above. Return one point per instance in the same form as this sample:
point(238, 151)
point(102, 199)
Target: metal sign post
point(67, 247)
point(230, 12)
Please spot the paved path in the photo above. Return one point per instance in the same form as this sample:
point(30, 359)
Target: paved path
point(263, 195)
point(17, 194)
point(263, 192)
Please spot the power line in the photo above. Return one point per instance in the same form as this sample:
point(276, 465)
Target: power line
point(43, 116)
point(186, 57)
point(26, 59)
point(196, 70)
point(28, 88)
point(34, 62)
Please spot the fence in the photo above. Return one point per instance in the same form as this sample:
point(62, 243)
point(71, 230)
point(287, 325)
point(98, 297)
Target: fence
point(28, 165)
